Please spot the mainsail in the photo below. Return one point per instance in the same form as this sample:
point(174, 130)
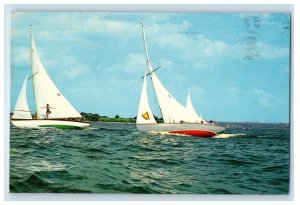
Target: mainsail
point(172, 110)
point(144, 115)
point(21, 110)
point(45, 92)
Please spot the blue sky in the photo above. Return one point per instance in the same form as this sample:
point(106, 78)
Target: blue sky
point(235, 65)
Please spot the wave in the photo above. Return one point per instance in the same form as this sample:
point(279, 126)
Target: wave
point(165, 133)
point(48, 182)
point(186, 135)
point(237, 162)
point(126, 187)
point(103, 160)
point(229, 135)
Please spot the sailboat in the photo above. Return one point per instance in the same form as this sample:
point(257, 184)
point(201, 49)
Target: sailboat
point(63, 114)
point(178, 119)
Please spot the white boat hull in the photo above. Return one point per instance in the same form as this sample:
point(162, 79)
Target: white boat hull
point(193, 129)
point(63, 124)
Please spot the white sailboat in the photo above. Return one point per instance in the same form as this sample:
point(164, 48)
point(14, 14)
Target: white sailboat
point(178, 119)
point(63, 114)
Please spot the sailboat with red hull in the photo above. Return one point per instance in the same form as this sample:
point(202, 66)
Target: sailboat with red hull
point(178, 119)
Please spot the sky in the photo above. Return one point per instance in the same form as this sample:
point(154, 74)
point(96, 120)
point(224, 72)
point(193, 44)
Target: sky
point(235, 65)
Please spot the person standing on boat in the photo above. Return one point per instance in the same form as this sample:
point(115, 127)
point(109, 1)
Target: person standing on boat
point(48, 111)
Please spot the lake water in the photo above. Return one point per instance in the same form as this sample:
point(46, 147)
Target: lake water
point(249, 158)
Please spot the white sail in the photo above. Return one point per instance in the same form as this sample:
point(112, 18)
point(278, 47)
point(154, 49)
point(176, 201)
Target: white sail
point(21, 110)
point(45, 92)
point(172, 111)
point(144, 115)
point(192, 114)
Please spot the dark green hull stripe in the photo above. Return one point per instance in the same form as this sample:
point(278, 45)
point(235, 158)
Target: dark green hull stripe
point(61, 126)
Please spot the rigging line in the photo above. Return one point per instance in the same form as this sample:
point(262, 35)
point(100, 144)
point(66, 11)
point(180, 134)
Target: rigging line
point(20, 115)
point(32, 75)
point(25, 111)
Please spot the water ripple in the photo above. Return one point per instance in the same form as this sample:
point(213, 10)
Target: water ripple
point(116, 158)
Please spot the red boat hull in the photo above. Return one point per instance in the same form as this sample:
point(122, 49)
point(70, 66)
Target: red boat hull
point(195, 133)
point(191, 129)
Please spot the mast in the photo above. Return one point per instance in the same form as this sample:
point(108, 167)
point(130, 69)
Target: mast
point(149, 67)
point(171, 110)
point(145, 47)
point(31, 64)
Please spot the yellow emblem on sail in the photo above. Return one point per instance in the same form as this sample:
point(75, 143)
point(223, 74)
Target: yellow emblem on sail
point(146, 116)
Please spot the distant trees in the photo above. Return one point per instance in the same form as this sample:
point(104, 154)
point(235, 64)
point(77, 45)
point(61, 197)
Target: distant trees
point(159, 120)
point(117, 118)
point(90, 116)
point(97, 117)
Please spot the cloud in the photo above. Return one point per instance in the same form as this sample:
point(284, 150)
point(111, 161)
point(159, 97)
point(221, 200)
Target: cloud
point(68, 65)
point(134, 63)
point(102, 54)
point(203, 51)
point(77, 70)
point(97, 24)
point(197, 49)
point(214, 47)
point(271, 52)
point(165, 63)
point(264, 99)
point(20, 56)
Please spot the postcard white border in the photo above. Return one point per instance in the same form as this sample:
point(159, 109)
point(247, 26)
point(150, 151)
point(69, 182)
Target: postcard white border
point(287, 8)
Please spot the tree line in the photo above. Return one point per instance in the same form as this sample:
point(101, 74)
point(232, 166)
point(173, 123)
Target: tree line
point(117, 118)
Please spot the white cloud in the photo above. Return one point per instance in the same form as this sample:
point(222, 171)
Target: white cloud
point(199, 49)
point(20, 55)
point(68, 65)
point(264, 99)
point(165, 63)
point(271, 52)
point(77, 70)
point(214, 47)
point(97, 24)
point(84, 68)
point(134, 63)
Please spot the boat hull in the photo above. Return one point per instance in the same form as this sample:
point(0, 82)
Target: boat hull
point(61, 124)
point(192, 129)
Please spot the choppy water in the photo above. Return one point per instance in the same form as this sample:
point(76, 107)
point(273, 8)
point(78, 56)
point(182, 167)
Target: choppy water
point(116, 158)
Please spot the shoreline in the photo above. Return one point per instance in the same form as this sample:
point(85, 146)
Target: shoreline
point(111, 122)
